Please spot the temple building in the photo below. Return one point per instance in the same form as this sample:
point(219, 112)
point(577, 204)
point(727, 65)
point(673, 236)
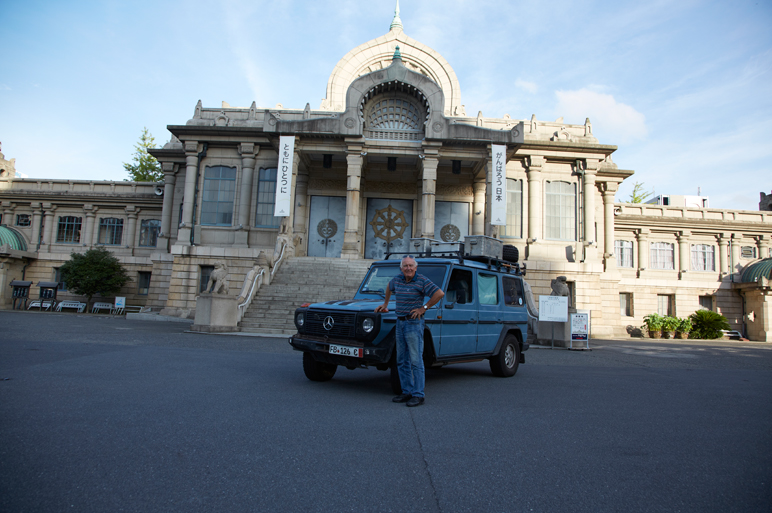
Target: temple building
point(391, 155)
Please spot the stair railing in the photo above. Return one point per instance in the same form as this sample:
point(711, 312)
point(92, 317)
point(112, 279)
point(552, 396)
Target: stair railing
point(279, 261)
point(257, 282)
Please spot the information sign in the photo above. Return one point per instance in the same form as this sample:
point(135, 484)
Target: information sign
point(553, 308)
point(580, 326)
point(120, 302)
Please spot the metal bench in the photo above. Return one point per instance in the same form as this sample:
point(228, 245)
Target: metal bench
point(127, 309)
point(71, 304)
point(36, 304)
point(101, 306)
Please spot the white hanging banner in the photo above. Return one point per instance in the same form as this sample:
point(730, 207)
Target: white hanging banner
point(284, 176)
point(499, 185)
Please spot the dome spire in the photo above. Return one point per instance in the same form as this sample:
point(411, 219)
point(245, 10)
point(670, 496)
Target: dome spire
point(396, 23)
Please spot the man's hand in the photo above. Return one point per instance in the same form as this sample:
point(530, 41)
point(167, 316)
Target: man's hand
point(417, 313)
point(381, 309)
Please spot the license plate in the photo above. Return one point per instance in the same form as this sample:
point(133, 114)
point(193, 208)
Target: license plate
point(356, 352)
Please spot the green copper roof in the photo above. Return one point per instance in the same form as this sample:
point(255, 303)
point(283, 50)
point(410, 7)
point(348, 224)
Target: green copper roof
point(753, 272)
point(12, 238)
point(397, 55)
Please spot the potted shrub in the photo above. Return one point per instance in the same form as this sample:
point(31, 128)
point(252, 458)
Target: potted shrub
point(669, 325)
point(683, 328)
point(707, 324)
point(653, 324)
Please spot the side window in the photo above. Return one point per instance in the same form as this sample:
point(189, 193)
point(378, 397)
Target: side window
point(460, 287)
point(488, 289)
point(513, 291)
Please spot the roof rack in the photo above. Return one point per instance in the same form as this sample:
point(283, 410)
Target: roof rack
point(428, 248)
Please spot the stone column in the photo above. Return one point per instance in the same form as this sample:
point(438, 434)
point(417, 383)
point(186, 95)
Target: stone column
point(428, 190)
point(534, 166)
point(8, 213)
point(683, 253)
point(609, 190)
point(191, 163)
point(762, 246)
point(723, 244)
point(37, 215)
point(88, 229)
point(95, 234)
point(168, 205)
point(478, 216)
point(131, 212)
point(642, 236)
point(590, 240)
point(734, 247)
point(242, 222)
point(48, 223)
point(351, 238)
point(299, 227)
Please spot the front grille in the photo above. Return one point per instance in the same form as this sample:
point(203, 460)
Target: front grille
point(343, 324)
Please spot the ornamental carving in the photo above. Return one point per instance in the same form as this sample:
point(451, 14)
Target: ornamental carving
point(389, 224)
point(450, 233)
point(327, 228)
point(391, 187)
point(455, 190)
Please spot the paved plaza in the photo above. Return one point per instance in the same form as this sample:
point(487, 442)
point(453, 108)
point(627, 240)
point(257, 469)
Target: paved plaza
point(107, 414)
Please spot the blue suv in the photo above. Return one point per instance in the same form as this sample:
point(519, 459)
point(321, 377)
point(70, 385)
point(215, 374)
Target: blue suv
point(482, 316)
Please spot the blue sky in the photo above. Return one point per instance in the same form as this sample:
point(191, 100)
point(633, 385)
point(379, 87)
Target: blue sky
point(684, 88)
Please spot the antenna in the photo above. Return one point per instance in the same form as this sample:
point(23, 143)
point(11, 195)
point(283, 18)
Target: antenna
point(698, 191)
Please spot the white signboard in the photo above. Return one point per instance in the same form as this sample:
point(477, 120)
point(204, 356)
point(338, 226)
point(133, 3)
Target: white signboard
point(580, 326)
point(499, 185)
point(120, 302)
point(284, 176)
point(553, 308)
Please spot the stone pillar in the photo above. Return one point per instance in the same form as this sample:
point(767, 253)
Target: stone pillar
point(351, 239)
point(191, 163)
point(478, 216)
point(88, 229)
point(723, 244)
point(48, 223)
point(242, 222)
point(534, 166)
point(683, 253)
point(168, 205)
point(37, 215)
point(642, 236)
point(734, 247)
point(131, 235)
point(429, 182)
point(95, 234)
point(762, 246)
point(589, 188)
point(609, 190)
point(299, 227)
point(8, 213)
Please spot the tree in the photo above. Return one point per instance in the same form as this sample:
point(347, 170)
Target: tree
point(96, 271)
point(639, 195)
point(145, 167)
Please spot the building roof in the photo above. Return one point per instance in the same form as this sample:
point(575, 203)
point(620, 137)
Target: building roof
point(753, 272)
point(13, 238)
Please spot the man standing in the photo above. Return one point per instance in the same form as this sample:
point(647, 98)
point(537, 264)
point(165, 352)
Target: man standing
point(410, 289)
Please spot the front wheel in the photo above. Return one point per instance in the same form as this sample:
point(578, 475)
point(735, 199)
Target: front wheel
point(505, 363)
point(317, 371)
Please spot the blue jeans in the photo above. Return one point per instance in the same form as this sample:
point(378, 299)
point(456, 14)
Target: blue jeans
point(410, 350)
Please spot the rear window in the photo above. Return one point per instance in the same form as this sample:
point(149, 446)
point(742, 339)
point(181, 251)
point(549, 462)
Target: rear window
point(377, 280)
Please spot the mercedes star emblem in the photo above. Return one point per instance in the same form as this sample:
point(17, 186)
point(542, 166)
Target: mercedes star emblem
point(328, 323)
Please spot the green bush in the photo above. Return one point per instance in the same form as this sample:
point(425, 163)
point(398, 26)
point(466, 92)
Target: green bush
point(707, 324)
point(684, 325)
point(669, 323)
point(653, 322)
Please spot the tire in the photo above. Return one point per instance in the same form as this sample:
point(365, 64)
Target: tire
point(317, 371)
point(396, 386)
point(505, 364)
point(510, 253)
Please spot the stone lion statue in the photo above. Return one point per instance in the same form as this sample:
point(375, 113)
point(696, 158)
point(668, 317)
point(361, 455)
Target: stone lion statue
point(560, 288)
point(218, 280)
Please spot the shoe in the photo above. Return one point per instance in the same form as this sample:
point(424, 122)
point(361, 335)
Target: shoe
point(415, 401)
point(402, 398)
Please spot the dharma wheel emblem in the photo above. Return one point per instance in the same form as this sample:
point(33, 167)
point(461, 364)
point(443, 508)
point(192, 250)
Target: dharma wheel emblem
point(327, 228)
point(389, 223)
point(450, 233)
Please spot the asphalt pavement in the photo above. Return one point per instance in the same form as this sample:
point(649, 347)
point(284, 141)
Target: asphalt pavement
point(104, 414)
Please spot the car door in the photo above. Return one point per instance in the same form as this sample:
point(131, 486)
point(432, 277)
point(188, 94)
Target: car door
point(489, 315)
point(459, 315)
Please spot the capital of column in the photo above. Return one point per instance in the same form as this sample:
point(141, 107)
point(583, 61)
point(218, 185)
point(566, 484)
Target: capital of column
point(642, 233)
point(90, 210)
point(50, 208)
point(683, 236)
point(534, 163)
point(191, 147)
point(132, 211)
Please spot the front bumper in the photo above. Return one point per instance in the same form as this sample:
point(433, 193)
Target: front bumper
point(320, 350)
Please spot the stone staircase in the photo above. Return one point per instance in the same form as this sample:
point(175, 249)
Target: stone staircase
point(301, 280)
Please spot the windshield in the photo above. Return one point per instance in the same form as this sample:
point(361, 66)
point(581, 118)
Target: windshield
point(377, 280)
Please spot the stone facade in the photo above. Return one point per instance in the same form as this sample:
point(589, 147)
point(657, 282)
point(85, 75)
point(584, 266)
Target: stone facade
point(392, 154)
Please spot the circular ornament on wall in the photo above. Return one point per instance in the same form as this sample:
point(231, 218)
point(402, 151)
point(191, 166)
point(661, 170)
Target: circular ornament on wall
point(437, 127)
point(272, 121)
point(350, 123)
point(327, 228)
point(450, 233)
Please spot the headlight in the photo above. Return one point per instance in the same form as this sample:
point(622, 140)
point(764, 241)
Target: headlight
point(300, 319)
point(368, 325)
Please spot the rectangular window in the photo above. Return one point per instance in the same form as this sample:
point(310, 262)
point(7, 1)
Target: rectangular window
point(703, 257)
point(487, 288)
point(665, 304)
point(626, 304)
point(623, 249)
point(143, 283)
point(513, 291)
point(514, 227)
point(22, 220)
point(706, 302)
point(460, 287)
point(58, 278)
point(148, 232)
point(219, 192)
point(110, 231)
point(206, 272)
point(747, 252)
point(661, 255)
point(266, 197)
point(68, 231)
point(560, 211)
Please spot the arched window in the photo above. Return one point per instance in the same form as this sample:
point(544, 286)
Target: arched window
point(394, 115)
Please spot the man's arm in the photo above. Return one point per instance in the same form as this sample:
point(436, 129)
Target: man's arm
point(418, 312)
point(385, 306)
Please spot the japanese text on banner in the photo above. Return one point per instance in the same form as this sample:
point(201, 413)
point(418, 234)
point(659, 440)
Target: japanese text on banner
point(284, 176)
point(499, 185)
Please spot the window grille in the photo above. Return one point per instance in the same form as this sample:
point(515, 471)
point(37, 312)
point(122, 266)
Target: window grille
point(266, 197)
point(747, 252)
point(623, 249)
point(22, 220)
point(703, 257)
point(143, 283)
point(68, 231)
point(110, 231)
point(661, 255)
point(218, 195)
point(560, 211)
point(148, 232)
point(514, 227)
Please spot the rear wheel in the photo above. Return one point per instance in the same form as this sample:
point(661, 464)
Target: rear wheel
point(317, 371)
point(506, 362)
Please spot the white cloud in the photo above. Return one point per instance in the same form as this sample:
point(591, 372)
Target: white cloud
point(616, 121)
point(526, 86)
